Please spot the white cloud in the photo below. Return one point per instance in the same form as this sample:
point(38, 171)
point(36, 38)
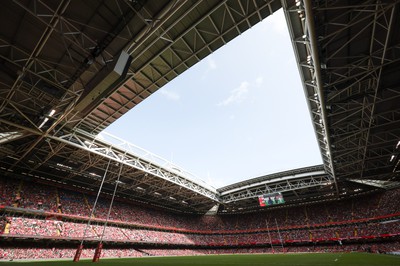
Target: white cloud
point(170, 95)
point(259, 81)
point(237, 95)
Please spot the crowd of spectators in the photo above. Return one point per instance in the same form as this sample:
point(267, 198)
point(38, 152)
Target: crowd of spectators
point(130, 222)
point(21, 226)
point(317, 217)
point(31, 227)
point(72, 202)
point(8, 189)
point(39, 196)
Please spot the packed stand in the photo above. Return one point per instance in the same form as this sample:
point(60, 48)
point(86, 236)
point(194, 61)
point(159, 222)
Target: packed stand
point(133, 223)
point(79, 204)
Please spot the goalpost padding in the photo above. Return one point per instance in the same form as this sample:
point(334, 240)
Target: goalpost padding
point(78, 253)
point(97, 252)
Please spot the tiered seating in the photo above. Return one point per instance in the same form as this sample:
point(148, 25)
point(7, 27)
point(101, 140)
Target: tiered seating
point(297, 234)
point(38, 227)
point(366, 207)
point(8, 191)
point(324, 233)
point(129, 222)
point(340, 211)
point(389, 203)
point(32, 227)
point(73, 203)
point(317, 214)
point(296, 216)
point(38, 197)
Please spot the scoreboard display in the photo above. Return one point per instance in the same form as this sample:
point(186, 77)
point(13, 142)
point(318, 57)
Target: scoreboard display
point(271, 199)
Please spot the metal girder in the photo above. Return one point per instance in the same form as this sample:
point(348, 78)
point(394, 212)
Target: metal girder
point(97, 150)
point(357, 51)
point(377, 183)
point(10, 136)
point(89, 143)
point(92, 121)
point(350, 128)
point(89, 156)
point(270, 186)
point(347, 55)
point(299, 18)
point(45, 80)
point(168, 49)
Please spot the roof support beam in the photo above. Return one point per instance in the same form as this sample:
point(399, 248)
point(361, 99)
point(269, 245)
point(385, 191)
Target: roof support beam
point(83, 140)
point(309, 16)
point(282, 186)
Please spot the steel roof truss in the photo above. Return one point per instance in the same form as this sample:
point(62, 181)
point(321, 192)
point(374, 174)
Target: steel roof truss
point(111, 152)
point(282, 186)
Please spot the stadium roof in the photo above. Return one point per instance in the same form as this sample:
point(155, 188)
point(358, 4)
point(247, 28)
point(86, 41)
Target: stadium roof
point(70, 68)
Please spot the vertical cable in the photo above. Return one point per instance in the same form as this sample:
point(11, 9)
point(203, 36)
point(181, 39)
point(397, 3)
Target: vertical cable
point(111, 204)
point(95, 202)
point(269, 235)
point(279, 233)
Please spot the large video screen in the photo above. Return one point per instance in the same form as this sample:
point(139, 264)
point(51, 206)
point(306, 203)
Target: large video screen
point(271, 199)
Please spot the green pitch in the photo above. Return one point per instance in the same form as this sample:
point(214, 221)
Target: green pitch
point(329, 259)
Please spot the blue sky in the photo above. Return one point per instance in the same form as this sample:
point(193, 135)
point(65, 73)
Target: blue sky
point(240, 113)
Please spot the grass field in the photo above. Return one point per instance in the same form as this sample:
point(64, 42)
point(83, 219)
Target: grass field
point(334, 259)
